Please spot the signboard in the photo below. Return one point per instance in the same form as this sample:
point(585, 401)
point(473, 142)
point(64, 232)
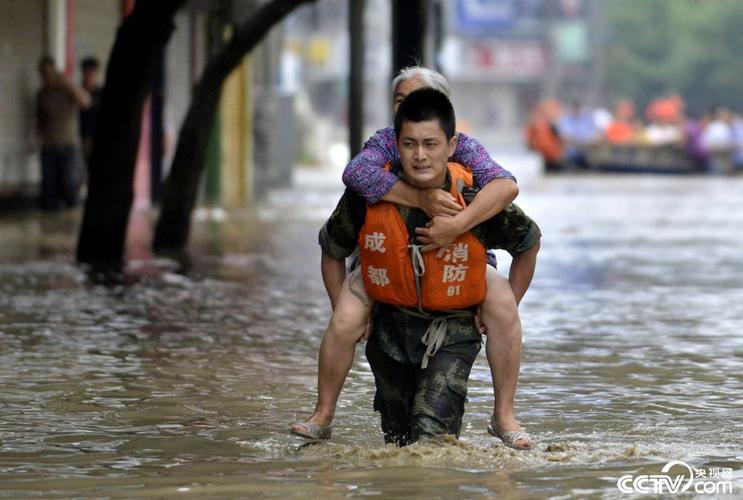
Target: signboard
point(485, 15)
point(495, 59)
point(570, 39)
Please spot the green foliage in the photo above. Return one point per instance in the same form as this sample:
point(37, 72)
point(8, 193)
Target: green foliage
point(688, 47)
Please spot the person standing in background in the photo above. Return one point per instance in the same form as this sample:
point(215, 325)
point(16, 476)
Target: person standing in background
point(577, 130)
point(89, 70)
point(57, 104)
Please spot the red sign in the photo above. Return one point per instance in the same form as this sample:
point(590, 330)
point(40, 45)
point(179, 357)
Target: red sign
point(497, 59)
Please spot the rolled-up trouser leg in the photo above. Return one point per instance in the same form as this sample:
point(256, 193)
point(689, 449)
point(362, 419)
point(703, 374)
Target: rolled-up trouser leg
point(438, 404)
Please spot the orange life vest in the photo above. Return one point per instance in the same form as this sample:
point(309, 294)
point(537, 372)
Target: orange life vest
point(452, 277)
point(541, 137)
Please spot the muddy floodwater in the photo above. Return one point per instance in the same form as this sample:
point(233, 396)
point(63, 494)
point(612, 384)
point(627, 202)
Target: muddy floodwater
point(183, 384)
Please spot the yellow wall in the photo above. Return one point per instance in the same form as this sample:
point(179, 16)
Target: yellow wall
point(237, 137)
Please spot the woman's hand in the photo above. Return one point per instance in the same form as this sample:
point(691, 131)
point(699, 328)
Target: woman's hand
point(435, 201)
point(440, 232)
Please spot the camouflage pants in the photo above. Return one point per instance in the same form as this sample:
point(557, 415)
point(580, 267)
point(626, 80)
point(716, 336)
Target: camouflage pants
point(416, 403)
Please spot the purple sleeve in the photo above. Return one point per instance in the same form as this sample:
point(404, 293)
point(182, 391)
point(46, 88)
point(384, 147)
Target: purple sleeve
point(472, 154)
point(365, 173)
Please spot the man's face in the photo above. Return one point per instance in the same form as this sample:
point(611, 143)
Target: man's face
point(403, 90)
point(424, 151)
point(48, 73)
point(90, 78)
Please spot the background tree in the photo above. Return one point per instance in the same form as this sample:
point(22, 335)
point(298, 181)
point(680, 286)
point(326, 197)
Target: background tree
point(134, 55)
point(409, 21)
point(687, 47)
point(181, 187)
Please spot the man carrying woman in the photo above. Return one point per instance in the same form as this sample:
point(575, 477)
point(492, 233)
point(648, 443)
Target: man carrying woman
point(448, 220)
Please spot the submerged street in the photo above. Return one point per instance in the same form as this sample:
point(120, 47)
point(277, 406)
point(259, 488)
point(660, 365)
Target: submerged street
point(186, 383)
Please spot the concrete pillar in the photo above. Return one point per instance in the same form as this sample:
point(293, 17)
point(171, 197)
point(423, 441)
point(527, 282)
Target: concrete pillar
point(59, 34)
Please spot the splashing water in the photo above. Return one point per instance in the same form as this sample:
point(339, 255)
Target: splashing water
point(186, 383)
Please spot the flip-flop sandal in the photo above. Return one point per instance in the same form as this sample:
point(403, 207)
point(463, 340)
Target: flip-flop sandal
point(312, 431)
point(510, 438)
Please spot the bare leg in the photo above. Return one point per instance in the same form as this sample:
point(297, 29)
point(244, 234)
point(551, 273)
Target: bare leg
point(338, 345)
point(500, 317)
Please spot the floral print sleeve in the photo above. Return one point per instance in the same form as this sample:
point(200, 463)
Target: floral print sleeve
point(471, 153)
point(365, 173)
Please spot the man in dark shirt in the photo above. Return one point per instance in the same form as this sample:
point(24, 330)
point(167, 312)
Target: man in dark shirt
point(89, 69)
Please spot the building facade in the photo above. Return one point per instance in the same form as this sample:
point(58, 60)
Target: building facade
point(70, 30)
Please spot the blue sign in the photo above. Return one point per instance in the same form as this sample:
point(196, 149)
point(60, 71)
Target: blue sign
point(486, 15)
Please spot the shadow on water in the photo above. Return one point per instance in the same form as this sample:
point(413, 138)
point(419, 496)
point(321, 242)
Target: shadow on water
point(172, 380)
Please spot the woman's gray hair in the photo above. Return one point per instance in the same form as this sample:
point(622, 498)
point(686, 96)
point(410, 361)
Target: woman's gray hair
point(428, 77)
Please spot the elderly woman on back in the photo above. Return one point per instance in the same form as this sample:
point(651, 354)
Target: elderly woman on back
point(366, 175)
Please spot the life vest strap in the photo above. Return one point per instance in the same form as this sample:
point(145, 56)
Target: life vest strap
point(433, 338)
point(419, 269)
point(436, 331)
point(419, 265)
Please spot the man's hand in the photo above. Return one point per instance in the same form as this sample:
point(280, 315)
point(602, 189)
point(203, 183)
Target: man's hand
point(367, 331)
point(439, 232)
point(435, 201)
point(478, 322)
point(82, 98)
point(65, 81)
